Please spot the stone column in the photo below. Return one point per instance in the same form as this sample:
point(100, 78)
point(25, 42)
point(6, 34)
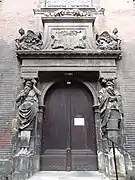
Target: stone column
point(38, 136)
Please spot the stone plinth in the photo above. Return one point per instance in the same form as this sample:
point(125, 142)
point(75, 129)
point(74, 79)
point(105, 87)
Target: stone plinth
point(109, 166)
point(24, 166)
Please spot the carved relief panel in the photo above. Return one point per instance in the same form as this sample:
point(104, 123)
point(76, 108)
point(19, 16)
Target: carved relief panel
point(68, 37)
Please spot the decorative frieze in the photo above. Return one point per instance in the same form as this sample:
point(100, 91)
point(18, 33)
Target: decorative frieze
point(69, 13)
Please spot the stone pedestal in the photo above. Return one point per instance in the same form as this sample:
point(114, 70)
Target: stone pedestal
point(109, 167)
point(24, 166)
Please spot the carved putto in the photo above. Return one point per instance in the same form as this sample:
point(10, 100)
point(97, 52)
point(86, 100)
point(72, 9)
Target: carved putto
point(68, 13)
point(105, 41)
point(68, 40)
point(29, 41)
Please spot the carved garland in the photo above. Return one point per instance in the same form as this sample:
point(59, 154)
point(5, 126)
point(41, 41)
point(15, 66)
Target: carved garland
point(68, 13)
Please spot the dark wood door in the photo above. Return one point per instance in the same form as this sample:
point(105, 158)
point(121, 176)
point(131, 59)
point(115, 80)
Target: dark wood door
point(68, 140)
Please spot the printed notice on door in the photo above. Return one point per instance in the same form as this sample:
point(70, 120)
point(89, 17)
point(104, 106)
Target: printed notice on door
point(78, 121)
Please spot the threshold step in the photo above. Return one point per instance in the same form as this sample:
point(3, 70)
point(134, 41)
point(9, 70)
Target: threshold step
point(72, 175)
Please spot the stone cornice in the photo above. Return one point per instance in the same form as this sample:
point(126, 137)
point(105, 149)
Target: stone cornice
point(94, 54)
point(81, 19)
point(42, 11)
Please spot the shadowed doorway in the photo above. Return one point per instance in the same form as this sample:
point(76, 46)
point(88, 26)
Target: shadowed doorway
point(68, 129)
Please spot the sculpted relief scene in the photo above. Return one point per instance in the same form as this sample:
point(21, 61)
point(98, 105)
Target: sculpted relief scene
point(29, 40)
point(105, 41)
point(69, 40)
point(64, 37)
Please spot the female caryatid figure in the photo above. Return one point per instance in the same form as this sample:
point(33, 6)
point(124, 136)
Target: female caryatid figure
point(27, 102)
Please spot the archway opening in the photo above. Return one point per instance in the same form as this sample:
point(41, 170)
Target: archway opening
point(68, 128)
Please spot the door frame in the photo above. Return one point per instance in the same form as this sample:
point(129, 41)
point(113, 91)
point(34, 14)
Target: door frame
point(92, 90)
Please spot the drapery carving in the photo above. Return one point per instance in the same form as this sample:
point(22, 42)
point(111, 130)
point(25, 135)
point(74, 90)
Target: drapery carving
point(27, 102)
point(110, 107)
point(105, 41)
point(29, 41)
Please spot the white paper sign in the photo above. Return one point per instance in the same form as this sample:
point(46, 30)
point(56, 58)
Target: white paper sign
point(78, 121)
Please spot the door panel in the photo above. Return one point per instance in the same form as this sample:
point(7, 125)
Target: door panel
point(83, 146)
point(67, 145)
point(79, 110)
point(54, 130)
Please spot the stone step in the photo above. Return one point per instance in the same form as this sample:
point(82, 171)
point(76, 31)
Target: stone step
point(72, 175)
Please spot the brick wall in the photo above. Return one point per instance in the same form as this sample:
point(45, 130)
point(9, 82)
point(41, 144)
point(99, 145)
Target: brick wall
point(13, 15)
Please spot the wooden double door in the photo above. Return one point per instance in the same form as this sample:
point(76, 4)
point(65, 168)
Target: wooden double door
point(68, 130)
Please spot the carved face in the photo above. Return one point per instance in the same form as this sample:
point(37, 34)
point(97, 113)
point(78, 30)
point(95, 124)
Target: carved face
point(28, 84)
point(110, 84)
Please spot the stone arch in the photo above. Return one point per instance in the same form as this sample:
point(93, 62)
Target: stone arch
point(86, 84)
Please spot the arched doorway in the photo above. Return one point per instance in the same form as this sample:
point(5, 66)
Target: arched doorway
point(68, 129)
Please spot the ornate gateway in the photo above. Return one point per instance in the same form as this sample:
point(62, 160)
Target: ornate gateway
point(67, 120)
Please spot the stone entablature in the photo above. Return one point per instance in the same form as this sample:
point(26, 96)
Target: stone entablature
point(33, 62)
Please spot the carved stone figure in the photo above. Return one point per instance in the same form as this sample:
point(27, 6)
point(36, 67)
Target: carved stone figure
point(69, 40)
point(105, 41)
point(29, 41)
point(110, 109)
point(27, 102)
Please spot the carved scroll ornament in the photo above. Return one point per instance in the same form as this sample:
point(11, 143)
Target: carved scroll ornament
point(29, 41)
point(105, 41)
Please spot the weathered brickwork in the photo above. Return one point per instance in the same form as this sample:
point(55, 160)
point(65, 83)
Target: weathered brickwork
point(13, 15)
point(17, 13)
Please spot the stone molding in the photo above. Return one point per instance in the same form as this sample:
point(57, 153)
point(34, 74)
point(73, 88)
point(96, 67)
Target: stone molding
point(106, 53)
point(84, 11)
